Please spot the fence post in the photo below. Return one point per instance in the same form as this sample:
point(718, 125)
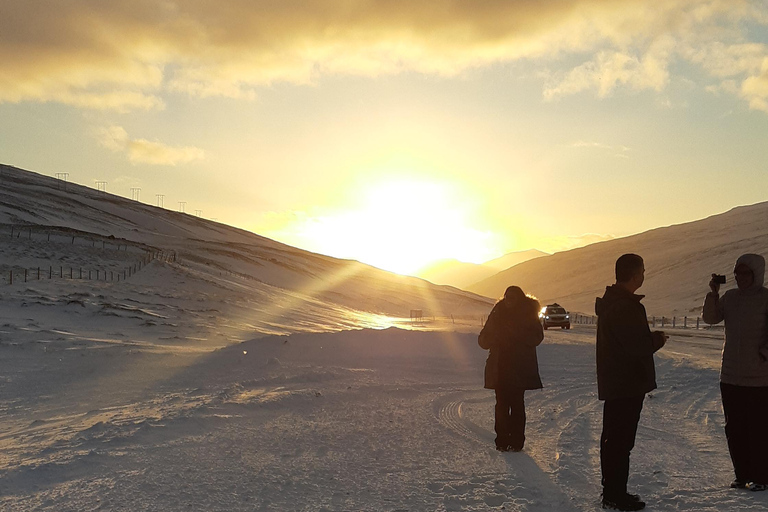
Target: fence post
point(61, 272)
point(662, 321)
point(685, 322)
point(50, 272)
point(25, 275)
point(38, 273)
point(697, 323)
point(673, 321)
point(81, 272)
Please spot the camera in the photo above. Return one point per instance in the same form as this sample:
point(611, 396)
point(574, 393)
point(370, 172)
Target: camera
point(718, 279)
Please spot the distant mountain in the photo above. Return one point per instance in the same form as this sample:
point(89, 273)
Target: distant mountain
point(514, 258)
point(678, 260)
point(461, 274)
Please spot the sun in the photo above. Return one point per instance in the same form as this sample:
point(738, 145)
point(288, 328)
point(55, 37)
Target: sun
point(401, 225)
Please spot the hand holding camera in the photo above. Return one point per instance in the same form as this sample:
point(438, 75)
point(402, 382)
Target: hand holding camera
point(717, 280)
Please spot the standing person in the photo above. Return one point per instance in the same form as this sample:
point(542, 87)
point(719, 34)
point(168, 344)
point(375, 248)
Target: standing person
point(512, 333)
point(744, 370)
point(625, 373)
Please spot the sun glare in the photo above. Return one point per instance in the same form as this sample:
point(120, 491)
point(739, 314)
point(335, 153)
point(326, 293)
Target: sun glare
point(400, 225)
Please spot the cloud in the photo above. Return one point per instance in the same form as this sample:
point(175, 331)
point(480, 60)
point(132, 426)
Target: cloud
point(144, 151)
point(126, 54)
point(755, 88)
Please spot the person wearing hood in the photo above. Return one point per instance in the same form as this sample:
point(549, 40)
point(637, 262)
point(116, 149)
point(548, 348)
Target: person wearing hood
point(625, 373)
point(744, 369)
point(512, 333)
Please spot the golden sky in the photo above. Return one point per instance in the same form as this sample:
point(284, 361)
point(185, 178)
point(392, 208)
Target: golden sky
point(394, 131)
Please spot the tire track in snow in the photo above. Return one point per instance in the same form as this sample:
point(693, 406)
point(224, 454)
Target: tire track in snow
point(530, 488)
point(450, 413)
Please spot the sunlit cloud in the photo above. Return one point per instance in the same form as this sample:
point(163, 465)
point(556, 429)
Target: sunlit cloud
point(126, 54)
point(116, 139)
point(755, 89)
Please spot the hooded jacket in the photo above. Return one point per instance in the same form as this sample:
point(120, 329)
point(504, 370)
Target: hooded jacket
point(625, 346)
point(512, 333)
point(746, 327)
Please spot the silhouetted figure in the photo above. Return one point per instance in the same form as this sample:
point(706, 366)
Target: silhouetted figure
point(744, 370)
point(512, 333)
point(625, 373)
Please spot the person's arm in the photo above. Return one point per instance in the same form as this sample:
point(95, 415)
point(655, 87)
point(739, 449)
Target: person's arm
point(631, 332)
point(488, 333)
point(531, 332)
point(712, 313)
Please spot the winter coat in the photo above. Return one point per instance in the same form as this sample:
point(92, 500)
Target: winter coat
point(512, 333)
point(625, 346)
point(746, 327)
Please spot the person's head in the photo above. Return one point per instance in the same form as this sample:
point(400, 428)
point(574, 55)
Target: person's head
point(630, 271)
point(749, 271)
point(513, 295)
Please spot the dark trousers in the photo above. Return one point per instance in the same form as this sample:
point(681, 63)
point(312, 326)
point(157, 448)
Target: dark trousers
point(620, 418)
point(746, 428)
point(510, 418)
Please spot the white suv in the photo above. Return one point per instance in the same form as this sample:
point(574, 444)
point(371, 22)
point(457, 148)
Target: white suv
point(554, 315)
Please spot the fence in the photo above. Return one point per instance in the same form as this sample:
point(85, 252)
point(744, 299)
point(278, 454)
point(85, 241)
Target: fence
point(671, 322)
point(17, 274)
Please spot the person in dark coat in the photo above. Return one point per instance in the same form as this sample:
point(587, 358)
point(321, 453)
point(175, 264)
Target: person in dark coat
point(625, 373)
point(512, 333)
point(744, 370)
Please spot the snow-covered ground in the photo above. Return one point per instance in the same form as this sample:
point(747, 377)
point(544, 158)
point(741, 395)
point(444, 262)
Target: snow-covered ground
point(373, 419)
point(248, 375)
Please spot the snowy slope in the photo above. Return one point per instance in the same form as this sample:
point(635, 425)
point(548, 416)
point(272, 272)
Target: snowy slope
point(57, 223)
point(678, 261)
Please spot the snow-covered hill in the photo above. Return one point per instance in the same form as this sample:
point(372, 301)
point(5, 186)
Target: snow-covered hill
point(679, 261)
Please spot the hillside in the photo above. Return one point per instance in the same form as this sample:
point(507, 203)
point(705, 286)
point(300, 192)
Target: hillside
point(57, 225)
point(679, 260)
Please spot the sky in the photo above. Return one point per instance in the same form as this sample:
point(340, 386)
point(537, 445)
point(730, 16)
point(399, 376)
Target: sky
point(397, 132)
